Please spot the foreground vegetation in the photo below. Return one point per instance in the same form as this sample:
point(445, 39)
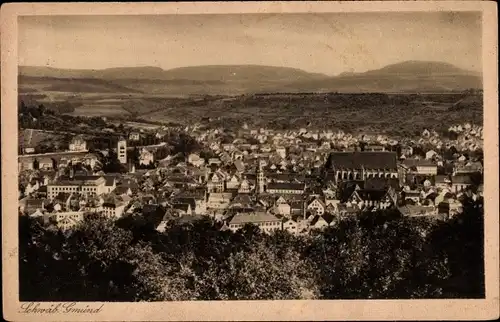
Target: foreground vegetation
point(372, 256)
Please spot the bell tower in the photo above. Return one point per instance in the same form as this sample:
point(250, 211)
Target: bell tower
point(260, 177)
point(121, 150)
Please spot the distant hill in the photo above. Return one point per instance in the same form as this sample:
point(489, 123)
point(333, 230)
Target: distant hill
point(198, 73)
point(421, 68)
point(410, 76)
point(224, 79)
point(32, 84)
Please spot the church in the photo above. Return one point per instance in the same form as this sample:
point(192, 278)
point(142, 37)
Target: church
point(361, 165)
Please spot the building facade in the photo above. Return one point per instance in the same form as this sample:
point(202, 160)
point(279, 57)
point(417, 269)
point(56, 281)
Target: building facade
point(86, 185)
point(121, 151)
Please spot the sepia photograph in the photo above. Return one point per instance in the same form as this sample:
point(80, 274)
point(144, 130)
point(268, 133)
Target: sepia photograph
point(249, 156)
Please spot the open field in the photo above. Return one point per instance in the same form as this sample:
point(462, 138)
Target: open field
point(394, 113)
point(36, 137)
point(404, 97)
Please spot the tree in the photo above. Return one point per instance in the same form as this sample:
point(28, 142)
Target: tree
point(461, 242)
point(97, 261)
point(112, 164)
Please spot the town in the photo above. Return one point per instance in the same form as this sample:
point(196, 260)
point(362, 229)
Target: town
point(251, 156)
point(293, 180)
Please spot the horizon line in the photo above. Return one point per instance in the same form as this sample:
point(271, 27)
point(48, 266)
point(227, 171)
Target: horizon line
point(252, 65)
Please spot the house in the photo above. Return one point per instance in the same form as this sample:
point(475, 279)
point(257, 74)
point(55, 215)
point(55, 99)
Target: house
point(45, 164)
point(195, 160)
point(460, 183)
point(113, 206)
point(25, 164)
point(442, 182)
point(282, 207)
point(233, 182)
point(161, 134)
point(407, 151)
point(31, 187)
point(480, 190)
point(32, 205)
point(217, 200)
point(469, 167)
point(37, 214)
point(29, 149)
point(190, 201)
point(429, 155)
point(216, 183)
point(317, 206)
point(281, 151)
point(411, 195)
point(345, 210)
point(67, 220)
point(123, 190)
point(285, 188)
point(162, 226)
point(371, 198)
point(449, 207)
point(420, 167)
point(183, 208)
point(62, 201)
point(245, 186)
point(145, 157)
point(242, 202)
point(78, 144)
point(110, 183)
point(134, 136)
point(318, 222)
point(130, 184)
point(228, 146)
point(215, 161)
point(290, 225)
point(417, 211)
point(90, 160)
point(374, 148)
point(186, 219)
point(265, 221)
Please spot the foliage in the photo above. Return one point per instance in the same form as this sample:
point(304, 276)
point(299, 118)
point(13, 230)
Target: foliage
point(376, 255)
point(96, 262)
point(394, 114)
point(111, 164)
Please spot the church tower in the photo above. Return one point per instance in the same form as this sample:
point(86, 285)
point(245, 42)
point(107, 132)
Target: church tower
point(260, 177)
point(121, 150)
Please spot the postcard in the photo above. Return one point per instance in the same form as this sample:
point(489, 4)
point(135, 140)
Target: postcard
point(250, 161)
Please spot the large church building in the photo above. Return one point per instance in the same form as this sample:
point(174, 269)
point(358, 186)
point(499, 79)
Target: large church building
point(362, 165)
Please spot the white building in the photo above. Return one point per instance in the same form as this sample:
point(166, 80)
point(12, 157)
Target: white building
point(86, 185)
point(78, 144)
point(67, 220)
point(146, 157)
point(281, 151)
point(266, 222)
point(121, 150)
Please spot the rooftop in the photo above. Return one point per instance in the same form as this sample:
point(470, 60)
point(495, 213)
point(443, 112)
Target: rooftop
point(360, 160)
point(286, 186)
point(254, 217)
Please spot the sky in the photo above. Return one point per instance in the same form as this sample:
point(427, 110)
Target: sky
point(328, 43)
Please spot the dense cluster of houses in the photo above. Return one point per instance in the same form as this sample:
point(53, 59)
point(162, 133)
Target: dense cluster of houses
point(294, 181)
